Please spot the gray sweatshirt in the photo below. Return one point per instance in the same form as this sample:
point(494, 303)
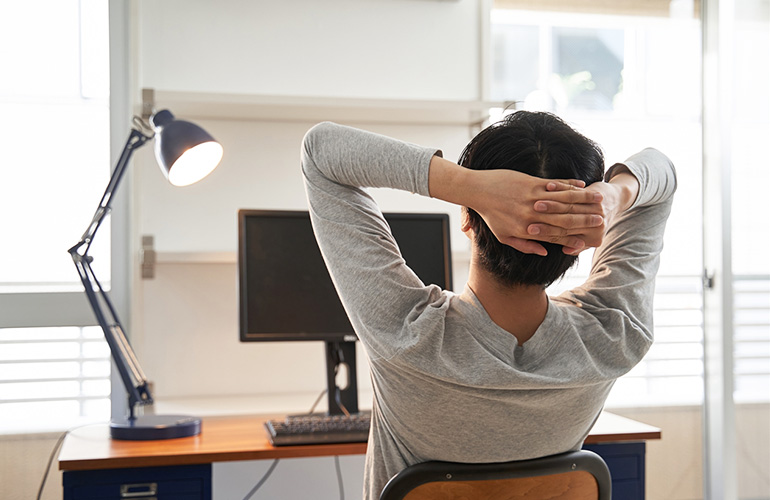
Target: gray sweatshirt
point(449, 384)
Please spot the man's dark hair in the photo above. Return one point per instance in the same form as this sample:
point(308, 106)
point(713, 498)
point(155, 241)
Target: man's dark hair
point(541, 145)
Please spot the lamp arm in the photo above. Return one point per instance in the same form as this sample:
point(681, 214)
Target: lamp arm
point(123, 355)
point(136, 139)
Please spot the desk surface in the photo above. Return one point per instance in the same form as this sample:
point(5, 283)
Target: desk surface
point(243, 438)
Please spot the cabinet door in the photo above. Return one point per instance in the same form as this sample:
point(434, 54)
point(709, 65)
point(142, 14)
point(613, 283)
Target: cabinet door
point(626, 464)
point(191, 482)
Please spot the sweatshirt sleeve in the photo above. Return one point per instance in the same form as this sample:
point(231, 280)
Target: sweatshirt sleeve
point(377, 289)
point(621, 285)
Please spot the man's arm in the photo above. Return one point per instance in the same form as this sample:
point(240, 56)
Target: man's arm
point(619, 291)
point(506, 201)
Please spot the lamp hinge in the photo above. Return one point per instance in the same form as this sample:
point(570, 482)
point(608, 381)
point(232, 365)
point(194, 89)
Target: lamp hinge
point(148, 257)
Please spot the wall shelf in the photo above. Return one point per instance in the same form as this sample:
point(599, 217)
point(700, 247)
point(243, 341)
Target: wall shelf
point(315, 109)
point(197, 257)
point(232, 257)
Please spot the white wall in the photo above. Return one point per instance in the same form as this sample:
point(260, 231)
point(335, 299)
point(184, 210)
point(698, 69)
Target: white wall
point(260, 169)
point(310, 478)
point(417, 49)
point(383, 49)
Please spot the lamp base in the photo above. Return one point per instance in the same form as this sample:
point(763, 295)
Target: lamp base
point(152, 427)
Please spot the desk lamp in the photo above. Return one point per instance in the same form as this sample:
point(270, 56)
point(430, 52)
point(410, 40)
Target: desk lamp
point(186, 153)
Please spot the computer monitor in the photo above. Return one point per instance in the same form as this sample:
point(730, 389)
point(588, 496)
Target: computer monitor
point(286, 293)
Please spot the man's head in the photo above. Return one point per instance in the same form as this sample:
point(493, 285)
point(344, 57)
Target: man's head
point(537, 144)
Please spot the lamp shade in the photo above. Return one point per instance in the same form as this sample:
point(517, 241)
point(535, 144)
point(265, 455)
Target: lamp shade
point(185, 152)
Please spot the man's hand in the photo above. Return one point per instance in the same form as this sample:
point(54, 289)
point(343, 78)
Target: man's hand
point(617, 195)
point(509, 210)
point(506, 201)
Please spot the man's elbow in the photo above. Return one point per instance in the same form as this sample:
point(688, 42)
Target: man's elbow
point(312, 144)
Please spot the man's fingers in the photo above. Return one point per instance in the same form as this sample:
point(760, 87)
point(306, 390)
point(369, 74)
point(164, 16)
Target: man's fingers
point(526, 246)
point(574, 196)
point(557, 207)
point(574, 243)
point(564, 224)
point(564, 184)
point(573, 251)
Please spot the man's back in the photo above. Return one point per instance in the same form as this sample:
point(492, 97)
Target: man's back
point(467, 392)
point(449, 383)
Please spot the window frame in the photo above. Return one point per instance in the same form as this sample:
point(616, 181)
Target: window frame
point(122, 270)
point(45, 309)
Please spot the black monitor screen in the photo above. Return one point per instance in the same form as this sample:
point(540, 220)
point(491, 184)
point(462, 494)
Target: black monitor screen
point(285, 292)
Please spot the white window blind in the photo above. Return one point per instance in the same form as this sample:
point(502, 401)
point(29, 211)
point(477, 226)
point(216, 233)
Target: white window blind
point(752, 338)
point(53, 378)
point(672, 371)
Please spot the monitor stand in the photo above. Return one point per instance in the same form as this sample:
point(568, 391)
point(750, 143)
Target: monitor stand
point(342, 388)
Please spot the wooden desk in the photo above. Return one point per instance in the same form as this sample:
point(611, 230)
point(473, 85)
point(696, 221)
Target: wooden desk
point(89, 451)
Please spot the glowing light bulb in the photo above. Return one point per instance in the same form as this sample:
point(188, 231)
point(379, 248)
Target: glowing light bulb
point(195, 163)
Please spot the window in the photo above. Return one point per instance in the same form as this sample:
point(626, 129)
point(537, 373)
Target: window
point(55, 122)
point(627, 82)
point(54, 100)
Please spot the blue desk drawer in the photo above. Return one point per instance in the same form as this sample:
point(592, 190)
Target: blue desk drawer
point(626, 464)
point(191, 482)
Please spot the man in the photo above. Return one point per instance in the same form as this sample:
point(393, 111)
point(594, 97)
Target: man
point(501, 371)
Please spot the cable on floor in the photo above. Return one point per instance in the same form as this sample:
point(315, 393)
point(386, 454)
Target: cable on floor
point(262, 481)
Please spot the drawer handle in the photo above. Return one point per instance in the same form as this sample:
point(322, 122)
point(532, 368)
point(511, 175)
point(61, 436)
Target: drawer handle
point(138, 490)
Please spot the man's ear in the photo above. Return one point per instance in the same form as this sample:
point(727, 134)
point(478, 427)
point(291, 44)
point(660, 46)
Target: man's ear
point(465, 223)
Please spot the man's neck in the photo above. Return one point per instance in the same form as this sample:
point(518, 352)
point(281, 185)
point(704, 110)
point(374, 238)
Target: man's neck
point(518, 310)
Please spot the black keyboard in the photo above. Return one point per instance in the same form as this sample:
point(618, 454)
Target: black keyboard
point(319, 428)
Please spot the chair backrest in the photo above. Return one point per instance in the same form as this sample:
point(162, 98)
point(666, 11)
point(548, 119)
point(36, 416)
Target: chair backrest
point(576, 475)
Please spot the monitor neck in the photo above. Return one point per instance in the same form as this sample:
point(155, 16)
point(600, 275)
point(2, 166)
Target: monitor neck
point(342, 387)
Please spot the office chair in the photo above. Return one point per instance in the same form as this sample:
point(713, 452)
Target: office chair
point(576, 475)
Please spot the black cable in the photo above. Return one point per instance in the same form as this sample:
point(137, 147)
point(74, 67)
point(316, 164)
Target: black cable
point(339, 477)
point(340, 354)
point(318, 400)
point(338, 399)
point(336, 458)
point(56, 448)
point(262, 481)
point(275, 462)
